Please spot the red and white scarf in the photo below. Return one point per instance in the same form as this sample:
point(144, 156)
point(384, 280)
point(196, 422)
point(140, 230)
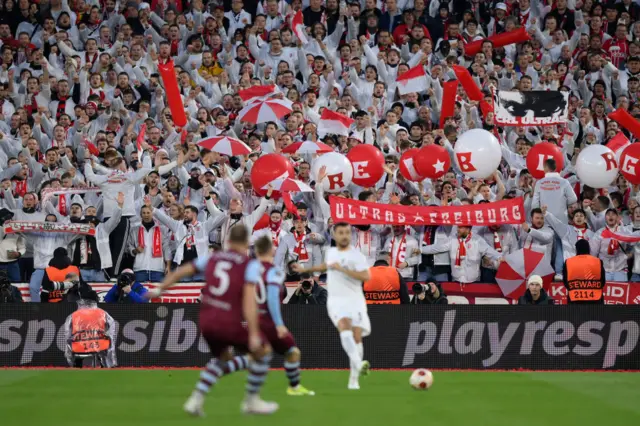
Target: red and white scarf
point(62, 204)
point(614, 245)
point(462, 250)
point(581, 231)
point(363, 239)
point(497, 243)
point(191, 241)
point(401, 254)
point(275, 229)
point(301, 248)
point(157, 240)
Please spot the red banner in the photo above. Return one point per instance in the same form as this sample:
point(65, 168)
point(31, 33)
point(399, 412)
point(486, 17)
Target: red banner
point(364, 213)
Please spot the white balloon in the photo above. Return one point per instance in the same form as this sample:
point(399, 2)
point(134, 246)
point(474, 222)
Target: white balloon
point(339, 171)
point(478, 153)
point(597, 166)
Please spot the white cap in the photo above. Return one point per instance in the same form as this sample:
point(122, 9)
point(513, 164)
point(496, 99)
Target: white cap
point(501, 6)
point(535, 279)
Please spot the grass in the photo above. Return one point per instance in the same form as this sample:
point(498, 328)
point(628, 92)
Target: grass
point(155, 397)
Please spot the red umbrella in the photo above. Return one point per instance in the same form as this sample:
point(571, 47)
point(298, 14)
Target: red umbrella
point(225, 145)
point(265, 110)
point(307, 147)
point(513, 273)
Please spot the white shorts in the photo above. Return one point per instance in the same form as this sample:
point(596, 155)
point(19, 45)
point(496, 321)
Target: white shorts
point(354, 311)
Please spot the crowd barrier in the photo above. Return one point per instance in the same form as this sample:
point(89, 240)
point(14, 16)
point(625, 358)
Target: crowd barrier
point(460, 337)
point(615, 293)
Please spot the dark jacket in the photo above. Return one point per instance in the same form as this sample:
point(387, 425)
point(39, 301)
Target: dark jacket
point(136, 295)
point(10, 295)
point(318, 296)
point(429, 300)
point(544, 299)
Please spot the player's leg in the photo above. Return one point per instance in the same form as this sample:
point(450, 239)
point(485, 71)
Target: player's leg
point(357, 336)
point(292, 370)
point(349, 345)
point(218, 367)
point(258, 369)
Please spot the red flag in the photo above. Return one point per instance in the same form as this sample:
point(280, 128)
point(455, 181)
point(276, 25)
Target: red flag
point(288, 203)
point(172, 91)
point(92, 148)
point(262, 223)
point(618, 143)
point(256, 92)
point(414, 80)
point(607, 233)
point(448, 100)
point(627, 121)
point(334, 123)
point(297, 25)
point(140, 139)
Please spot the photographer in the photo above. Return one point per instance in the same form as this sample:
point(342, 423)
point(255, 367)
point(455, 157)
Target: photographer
point(309, 292)
point(126, 290)
point(8, 293)
point(428, 294)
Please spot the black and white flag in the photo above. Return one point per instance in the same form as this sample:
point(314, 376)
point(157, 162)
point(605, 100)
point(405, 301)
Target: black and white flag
point(535, 108)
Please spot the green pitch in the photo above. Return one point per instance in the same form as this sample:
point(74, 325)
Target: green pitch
point(155, 397)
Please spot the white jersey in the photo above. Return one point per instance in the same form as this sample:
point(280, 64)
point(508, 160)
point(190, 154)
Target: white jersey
point(339, 285)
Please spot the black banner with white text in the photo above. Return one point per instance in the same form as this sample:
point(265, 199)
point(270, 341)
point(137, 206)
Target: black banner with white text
point(403, 336)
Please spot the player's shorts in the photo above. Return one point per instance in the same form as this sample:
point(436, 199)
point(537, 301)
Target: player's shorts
point(280, 346)
point(356, 312)
point(220, 337)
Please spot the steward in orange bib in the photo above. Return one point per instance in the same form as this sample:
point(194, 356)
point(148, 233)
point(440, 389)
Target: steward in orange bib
point(386, 286)
point(62, 281)
point(90, 334)
point(584, 276)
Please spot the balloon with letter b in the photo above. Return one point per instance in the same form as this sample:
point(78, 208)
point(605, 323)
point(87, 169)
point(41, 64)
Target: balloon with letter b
point(478, 153)
point(597, 166)
point(368, 164)
point(339, 171)
point(540, 153)
point(629, 167)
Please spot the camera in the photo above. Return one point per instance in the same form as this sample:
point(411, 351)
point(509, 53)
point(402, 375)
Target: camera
point(306, 285)
point(126, 279)
point(5, 288)
point(420, 288)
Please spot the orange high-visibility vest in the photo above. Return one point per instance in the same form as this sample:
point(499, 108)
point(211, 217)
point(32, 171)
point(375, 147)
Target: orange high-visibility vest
point(89, 331)
point(584, 278)
point(384, 286)
point(59, 275)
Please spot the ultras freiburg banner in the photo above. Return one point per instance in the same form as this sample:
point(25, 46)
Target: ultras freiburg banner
point(364, 213)
point(403, 336)
point(535, 108)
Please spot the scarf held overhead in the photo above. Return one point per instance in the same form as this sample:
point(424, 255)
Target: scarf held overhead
point(363, 213)
point(31, 227)
point(50, 192)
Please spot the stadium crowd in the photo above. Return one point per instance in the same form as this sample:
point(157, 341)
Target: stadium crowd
point(79, 81)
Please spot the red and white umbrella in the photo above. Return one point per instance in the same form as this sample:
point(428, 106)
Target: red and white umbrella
point(513, 273)
point(225, 145)
point(307, 147)
point(289, 185)
point(263, 111)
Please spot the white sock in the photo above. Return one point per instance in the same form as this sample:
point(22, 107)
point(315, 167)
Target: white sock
point(360, 349)
point(351, 348)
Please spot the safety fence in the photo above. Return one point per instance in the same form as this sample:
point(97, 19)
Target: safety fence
point(615, 293)
point(460, 337)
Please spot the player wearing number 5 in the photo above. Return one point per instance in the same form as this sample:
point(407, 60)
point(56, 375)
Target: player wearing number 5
point(584, 276)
